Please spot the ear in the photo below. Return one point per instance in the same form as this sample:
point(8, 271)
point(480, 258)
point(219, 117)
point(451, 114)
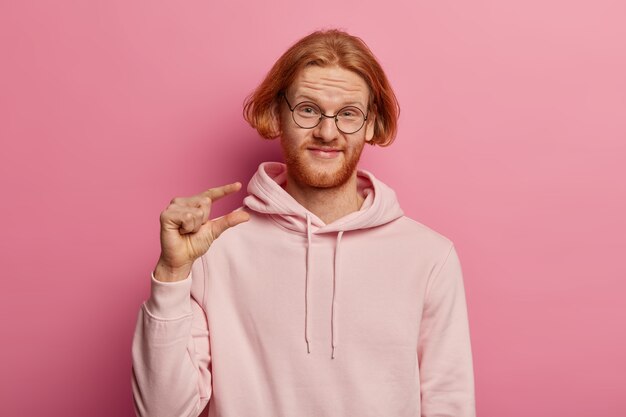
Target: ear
point(369, 127)
point(275, 119)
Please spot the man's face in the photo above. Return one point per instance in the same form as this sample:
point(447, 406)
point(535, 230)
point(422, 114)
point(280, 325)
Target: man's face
point(324, 157)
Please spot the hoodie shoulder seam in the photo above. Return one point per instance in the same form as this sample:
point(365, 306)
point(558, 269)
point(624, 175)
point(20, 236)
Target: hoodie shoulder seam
point(434, 276)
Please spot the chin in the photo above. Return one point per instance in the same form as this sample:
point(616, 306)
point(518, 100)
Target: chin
point(317, 175)
point(325, 180)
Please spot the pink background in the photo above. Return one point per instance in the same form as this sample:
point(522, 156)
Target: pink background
point(512, 143)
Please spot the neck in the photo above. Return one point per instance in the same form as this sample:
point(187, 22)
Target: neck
point(329, 204)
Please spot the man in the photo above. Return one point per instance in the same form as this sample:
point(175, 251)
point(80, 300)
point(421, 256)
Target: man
point(318, 297)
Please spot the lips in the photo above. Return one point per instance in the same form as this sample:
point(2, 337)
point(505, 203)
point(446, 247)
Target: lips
point(314, 148)
point(324, 153)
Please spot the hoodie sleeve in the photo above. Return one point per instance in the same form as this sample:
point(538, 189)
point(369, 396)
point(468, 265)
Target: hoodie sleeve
point(170, 350)
point(444, 349)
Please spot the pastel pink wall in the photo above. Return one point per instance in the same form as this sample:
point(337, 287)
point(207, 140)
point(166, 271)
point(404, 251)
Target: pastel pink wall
point(512, 143)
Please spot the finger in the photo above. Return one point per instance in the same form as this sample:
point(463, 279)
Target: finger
point(233, 218)
point(219, 192)
point(186, 220)
point(204, 207)
point(205, 213)
point(189, 220)
point(205, 198)
point(182, 202)
point(199, 201)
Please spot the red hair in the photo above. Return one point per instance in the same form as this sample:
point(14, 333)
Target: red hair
point(325, 48)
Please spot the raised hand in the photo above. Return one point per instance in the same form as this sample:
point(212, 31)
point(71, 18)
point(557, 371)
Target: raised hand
point(187, 233)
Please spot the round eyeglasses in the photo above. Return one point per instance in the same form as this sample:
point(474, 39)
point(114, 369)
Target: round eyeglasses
point(307, 115)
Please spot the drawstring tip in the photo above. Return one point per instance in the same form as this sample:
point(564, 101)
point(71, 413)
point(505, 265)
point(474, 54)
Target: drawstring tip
point(308, 350)
point(333, 354)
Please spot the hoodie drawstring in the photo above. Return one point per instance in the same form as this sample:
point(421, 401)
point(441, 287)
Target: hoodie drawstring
point(333, 323)
point(306, 284)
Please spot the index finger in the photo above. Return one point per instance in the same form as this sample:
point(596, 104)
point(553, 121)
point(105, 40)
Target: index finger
point(219, 192)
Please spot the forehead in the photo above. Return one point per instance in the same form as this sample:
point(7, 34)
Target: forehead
point(329, 84)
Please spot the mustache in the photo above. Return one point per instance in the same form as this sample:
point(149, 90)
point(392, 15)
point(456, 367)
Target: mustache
point(322, 147)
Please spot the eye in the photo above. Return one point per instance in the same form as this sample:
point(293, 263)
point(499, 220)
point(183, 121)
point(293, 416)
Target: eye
point(350, 113)
point(307, 110)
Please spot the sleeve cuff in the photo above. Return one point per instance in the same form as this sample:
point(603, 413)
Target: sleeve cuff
point(169, 300)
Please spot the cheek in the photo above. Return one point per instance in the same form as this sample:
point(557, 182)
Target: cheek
point(294, 136)
point(286, 125)
point(289, 141)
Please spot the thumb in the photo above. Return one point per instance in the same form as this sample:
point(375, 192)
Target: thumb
point(219, 225)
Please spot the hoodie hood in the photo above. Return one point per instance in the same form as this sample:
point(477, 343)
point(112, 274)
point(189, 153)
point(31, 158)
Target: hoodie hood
point(267, 196)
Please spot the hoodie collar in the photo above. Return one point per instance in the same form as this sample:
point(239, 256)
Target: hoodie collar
point(267, 195)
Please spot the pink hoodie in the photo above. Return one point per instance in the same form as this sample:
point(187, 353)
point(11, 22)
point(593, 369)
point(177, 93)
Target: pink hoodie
point(286, 316)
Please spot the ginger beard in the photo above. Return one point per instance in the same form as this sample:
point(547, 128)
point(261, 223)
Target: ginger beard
point(317, 174)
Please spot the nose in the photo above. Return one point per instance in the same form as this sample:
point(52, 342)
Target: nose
point(326, 130)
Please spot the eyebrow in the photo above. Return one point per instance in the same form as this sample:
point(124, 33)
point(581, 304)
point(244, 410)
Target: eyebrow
point(344, 104)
